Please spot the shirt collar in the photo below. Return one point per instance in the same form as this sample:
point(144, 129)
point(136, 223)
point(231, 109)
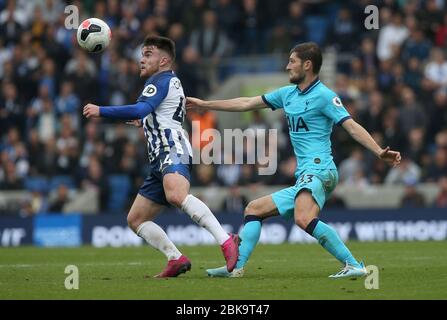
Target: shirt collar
point(155, 76)
point(312, 85)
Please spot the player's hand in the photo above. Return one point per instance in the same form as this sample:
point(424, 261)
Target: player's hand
point(136, 123)
point(91, 111)
point(194, 103)
point(391, 157)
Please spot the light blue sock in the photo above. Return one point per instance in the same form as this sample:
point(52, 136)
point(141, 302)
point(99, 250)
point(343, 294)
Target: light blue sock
point(329, 239)
point(249, 238)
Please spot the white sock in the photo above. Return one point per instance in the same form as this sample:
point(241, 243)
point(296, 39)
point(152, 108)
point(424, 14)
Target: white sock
point(202, 215)
point(158, 239)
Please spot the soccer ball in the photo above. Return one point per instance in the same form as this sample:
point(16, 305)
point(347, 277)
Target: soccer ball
point(94, 35)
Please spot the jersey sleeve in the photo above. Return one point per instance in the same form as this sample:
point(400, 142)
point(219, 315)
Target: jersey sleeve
point(154, 93)
point(333, 108)
point(275, 99)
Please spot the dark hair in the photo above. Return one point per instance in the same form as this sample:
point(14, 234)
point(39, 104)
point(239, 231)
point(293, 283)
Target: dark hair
point(309, 51)
point(161, 43)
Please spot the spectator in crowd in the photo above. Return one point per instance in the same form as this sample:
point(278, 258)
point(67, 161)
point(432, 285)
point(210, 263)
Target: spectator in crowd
point(438, 166)
point(343, 32)
point(441, 33)
point(351, 166)
point(251, 25)
point(286, 172)
point(295, 22)
point(60, 200)
point(437, 114)
point(412, 198)
point(436, 70)
point(10, 180)
point(335, 202)
point(209, 40)
point(413, 74)
point(11, 24)
point(406, 172)
point(416, 148)
point(12, 112)
point(228, 17)
point(279, 40)
point(371, 117)
point(368, 55)
point(441, 198)
point(38, 203)
point(248, 175)
point(67, 148)
point(229, 172)
point(95, 179)
point(392, 134)
point(193, 83)
point(212, 44)
point(68, 103)
point(411, 114)
point(201, 121)
point(235, 202)
point(176, 33)
point(416, 46)
point(203, 175)
point(391, 36)
point(190, 13)
point(430, 17)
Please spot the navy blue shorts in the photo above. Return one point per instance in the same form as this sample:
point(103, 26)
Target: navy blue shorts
point(152, 187)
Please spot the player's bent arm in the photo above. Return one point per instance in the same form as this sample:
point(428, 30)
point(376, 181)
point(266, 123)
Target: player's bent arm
point(232, 105)
point(362, 136)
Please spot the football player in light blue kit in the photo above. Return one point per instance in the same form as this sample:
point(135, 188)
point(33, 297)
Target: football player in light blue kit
point(311, 110)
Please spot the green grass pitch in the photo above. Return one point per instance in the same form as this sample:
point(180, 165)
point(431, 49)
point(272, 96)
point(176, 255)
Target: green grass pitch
point(407, 270)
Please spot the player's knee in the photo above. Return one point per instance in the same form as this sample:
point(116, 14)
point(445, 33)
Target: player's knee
point(252, 208)
point(302, 221)
point(133, 222)
point(175, 198)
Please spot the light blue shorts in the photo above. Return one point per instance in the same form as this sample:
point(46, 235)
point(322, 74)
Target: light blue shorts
point(320, 183)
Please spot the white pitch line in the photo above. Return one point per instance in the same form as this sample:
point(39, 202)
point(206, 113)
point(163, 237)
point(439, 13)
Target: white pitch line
point(138, 263)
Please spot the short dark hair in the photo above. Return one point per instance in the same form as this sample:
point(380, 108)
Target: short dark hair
point(161, 43)
point(309, 51)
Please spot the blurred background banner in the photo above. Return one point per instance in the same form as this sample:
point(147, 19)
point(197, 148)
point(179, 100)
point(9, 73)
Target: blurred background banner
point(112, 231)
point(55, 231)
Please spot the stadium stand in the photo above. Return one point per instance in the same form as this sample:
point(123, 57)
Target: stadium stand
point(392, 80)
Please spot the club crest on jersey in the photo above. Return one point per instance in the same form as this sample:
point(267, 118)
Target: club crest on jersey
point(150, 91)
point(177, 84)
point(337, 102)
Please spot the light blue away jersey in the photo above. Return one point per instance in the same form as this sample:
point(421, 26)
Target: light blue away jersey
point(310, 114)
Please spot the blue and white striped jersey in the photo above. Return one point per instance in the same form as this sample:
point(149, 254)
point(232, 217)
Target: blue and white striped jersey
point(163, 126)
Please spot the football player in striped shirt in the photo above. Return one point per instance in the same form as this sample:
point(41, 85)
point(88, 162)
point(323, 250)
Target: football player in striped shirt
point(160, 110)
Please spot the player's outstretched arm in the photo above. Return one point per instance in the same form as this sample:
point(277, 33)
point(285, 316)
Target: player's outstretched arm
point(363, 137)
point(128, 112)
point(232, 105)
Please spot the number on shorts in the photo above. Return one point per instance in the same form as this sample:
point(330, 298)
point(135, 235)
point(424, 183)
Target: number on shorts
point(308, 176)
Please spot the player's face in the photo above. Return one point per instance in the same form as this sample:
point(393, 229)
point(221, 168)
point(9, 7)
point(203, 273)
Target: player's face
point(296, 69)
point(150, 61)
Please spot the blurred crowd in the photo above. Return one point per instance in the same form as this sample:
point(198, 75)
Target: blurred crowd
point(392, 80)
